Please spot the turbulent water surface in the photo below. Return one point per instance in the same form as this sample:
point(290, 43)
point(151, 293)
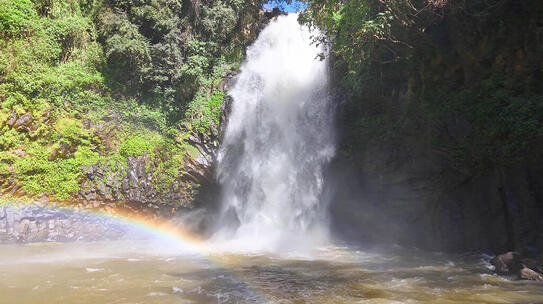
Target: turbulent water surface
point(150, 272)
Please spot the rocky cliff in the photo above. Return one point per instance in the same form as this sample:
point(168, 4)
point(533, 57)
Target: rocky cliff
point(137, 182)
point(440, 126)
point(124, 110)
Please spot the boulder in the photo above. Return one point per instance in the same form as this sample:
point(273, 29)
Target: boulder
point(273, 13)
point(512, 264)
point(24, 120)
point(535, 264)
point(507, 263)
point(529, 274)
point(12, 119)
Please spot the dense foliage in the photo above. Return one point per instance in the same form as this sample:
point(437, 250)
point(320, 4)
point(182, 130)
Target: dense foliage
point(83, 82)
point(462, 75)
point(162, 51)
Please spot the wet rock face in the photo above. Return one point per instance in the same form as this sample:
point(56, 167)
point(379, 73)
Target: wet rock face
point(136, 185)
point(38, 223)
point(415, 198)
point(22, 123)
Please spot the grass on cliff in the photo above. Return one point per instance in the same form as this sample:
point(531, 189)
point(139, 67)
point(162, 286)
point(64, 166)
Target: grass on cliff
point(38, 175)
point(59, 66)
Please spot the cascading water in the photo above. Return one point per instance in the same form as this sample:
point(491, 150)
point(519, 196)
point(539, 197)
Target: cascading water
point(278, 139)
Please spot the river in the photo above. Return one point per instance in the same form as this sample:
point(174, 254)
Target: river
point(156, 272)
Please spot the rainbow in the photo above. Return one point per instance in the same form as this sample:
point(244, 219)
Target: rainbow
point(192, 242)
point(164, 229)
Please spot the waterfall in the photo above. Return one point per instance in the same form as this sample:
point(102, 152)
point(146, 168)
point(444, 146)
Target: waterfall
point(277, 142)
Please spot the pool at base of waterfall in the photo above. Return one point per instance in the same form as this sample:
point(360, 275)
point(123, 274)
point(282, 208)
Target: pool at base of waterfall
point(153, 272)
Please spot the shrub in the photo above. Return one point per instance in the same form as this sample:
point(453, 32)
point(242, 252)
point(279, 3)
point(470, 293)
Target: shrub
point(137, 145)
point(59, 178)
point(16, 16)
point(204, 110)
point(71, 131)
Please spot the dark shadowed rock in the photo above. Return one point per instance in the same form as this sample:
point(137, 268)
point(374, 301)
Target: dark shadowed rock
point(226, 109)
point(458, 126)
point(535, 264)
point(512, 264)
point(274, 13)
point(507, 263)
point(63, 151)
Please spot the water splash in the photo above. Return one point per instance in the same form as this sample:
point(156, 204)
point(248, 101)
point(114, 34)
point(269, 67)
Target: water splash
point(278, 139)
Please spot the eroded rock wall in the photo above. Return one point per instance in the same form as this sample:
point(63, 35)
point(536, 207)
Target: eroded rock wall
point(411, 202)
point(441, 149)
point(40, 223)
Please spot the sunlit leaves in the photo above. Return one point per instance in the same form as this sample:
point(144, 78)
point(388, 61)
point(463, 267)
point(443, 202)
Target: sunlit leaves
point(16, 16)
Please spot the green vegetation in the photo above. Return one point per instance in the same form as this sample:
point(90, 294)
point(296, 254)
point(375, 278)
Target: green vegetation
point(136, 145)
point(15, 16)
point(462, 76)
point(162, 51)
point(204, 111)
point(98, 81)
point(39, 175)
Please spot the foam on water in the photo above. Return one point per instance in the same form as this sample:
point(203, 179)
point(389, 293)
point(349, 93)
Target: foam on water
point(277, 142)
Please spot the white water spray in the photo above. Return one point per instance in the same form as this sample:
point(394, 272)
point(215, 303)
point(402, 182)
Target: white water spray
point(278, 139)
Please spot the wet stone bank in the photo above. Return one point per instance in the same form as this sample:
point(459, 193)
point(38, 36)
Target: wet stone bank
point(38, 223)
